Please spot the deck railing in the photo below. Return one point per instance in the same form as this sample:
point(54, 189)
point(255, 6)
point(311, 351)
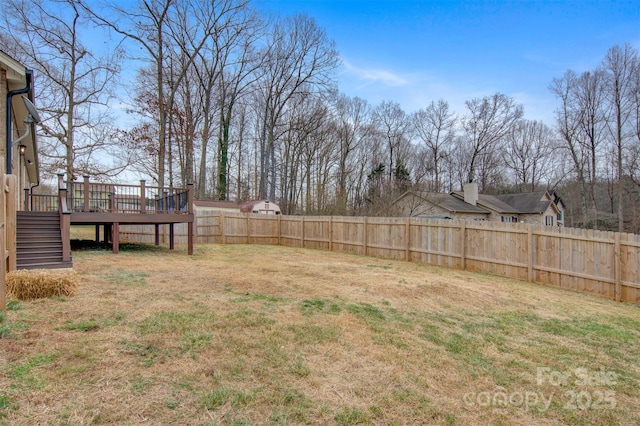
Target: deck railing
point(86, 196)
point(114, 198)
point(40, 202)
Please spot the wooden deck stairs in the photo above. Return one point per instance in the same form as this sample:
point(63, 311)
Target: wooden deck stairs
point(39, 241)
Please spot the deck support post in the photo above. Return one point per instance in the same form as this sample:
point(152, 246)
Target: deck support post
point(115, 237)
point(190, 224)
point(65, 225)
point(107, 233)
point(97, 233)
point(171, 235)
point(143, 197)
point(86, 191)
point(157, 234)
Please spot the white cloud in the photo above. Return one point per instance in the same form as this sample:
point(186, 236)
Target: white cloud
point(370, 75)
point(414, 90)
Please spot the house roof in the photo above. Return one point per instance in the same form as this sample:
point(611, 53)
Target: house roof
point(556, 197)
point(529, 202)
point(18, 77)
point(449, 202)
point(15, 70)
point(490, 202)
point(526, 203)
point(217, 204)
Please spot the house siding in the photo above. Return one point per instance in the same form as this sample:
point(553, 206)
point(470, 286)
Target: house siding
point(539, 218)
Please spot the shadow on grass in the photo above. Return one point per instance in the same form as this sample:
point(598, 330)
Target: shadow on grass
point(90, 245)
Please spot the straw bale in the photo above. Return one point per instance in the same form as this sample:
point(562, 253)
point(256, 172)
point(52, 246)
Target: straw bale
point(41, 283)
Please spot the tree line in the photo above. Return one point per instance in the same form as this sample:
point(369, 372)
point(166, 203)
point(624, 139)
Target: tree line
point(246, 106)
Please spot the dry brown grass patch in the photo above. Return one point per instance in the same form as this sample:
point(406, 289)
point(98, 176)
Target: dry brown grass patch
point(239, 335)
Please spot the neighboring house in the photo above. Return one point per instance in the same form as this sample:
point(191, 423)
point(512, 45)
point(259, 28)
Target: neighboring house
point(498, 210)
point(560, 206)
point(438, 206)
point(534, 207)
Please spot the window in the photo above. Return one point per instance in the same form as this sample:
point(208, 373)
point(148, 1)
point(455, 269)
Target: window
point(548, 220)
point(559, 216)
point(508, 219)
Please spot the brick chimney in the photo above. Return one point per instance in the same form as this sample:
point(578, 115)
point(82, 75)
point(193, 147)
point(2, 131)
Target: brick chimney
point(471, 193)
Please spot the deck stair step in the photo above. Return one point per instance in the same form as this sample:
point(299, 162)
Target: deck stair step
point(39, 241)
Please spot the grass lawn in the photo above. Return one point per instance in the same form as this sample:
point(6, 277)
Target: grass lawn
point(264, 335)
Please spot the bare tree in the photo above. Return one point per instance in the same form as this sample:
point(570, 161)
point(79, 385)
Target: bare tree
point(588, 96)
point(568, 117)
point(488, 121)
point(621, 65)
point(239, 63)
point(528, 150)
point(318, 150)
point(170, 34)
point(73, 87)
point(299, 57)
point(434, 127)
point(393, 124)
point(353, 125)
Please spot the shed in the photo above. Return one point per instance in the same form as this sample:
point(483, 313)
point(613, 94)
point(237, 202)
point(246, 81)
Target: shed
point(223, 206)
point(261, 207)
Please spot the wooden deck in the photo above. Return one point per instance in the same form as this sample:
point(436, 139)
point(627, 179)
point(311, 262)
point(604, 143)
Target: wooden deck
point(101, 218)
point(111, 205)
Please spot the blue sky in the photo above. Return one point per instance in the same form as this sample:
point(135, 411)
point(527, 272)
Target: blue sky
point(413, 52)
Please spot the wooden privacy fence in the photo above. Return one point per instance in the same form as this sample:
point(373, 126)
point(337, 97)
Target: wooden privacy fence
point(603, 263)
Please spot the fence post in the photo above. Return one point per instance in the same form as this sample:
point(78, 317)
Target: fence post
point(222, 233)
point(364, 236)
point(248, 228)
point(407, 236)
point(302, 230)
point(330, 233)
point(279, 225)
point(617, 268)
point(529, 254)
point(463, 245)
